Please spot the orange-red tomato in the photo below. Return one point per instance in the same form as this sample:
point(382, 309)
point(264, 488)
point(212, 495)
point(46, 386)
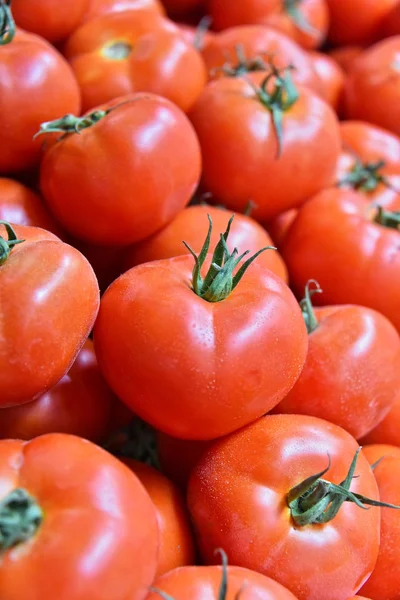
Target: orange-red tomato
point(101, 7)
point(191, 225)
point(52, 19)
point(279, 227)
point(388, 430)
point(123, 195)
point(49, 302)
point(135, 51)
point(391, 25)
point(176, 538)
point(80, 404)
point(75, 518)
point(178, 457)
point(345, 56)
point(332, 78)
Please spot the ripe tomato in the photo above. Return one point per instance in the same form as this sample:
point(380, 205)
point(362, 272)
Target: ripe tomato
point(190, 224)
point(80, 404)
point(388, 430)
point(391, 25)
point(52, 19)
point(105, 260)
point(332, 78)
point(222, 358)
point(178, 457)
point(370, 143)
point(46, 278)
point(352, 372)
point(279, 227)
point(77, 515)
point(117, 202)
point(101, 7)
point(358, 21)
point(372, 90)
point(243, 147)
point(243, 496)
point(345, 56)
point(176, 538)
point(182, 7)
point(135, 51)
point(384, 582)
point(359, 264)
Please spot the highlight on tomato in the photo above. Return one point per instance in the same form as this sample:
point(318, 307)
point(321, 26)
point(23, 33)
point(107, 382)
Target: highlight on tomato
point(332, 79)
point(98, 8)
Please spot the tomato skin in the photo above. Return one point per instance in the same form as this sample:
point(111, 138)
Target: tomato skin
point(388, 430)
point(332, 78)
point(279, 227)
point(79, 404)
point(191, 225)
point(178, 457)
point(116, 202)
point(384, 582)
point(52, 19)
point(176, 539)
point(244, 478)
point(158, 59)
point(372, 87)
point(345, 56)
point(239, 148)
point(73, 481)
point(203, 583)
point(98, 8)
point(352, 372)
point(357, 265)
point(47, 278)
point(182, 7)
point(220, 365)
point(29, 100)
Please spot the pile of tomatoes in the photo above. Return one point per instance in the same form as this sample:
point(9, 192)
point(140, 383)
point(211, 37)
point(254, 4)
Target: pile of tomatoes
point(200, 300)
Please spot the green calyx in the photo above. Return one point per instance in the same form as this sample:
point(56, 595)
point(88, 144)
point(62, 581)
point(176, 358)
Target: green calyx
point(136, 440)
point(316, 500)
point(20, 518)
point(71, 124)
point(243, 65)
point(365, 177)
point(219, 281)
point(293, 10)
point(306, 306)
point(6, 246)
point(387, 218)
point(7, 23)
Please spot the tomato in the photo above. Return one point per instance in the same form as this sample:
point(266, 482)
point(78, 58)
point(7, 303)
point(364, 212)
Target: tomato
point(370, 143)
point(116, 201)
point(332, 78)
point(105, 260)
point(391, 25)
point(27, 99)
point(80, 404)
point(352, 372)
point(306, 21)
point(190, 224)
point(75, 518)
point(359, 264)
point(384, 582)
point(279, 227)
point(182, 7)
point(22, 206)
point(100, 7)
point(372, 87)
point(178, 457)
point(52, 19)
point(345, 56)
point(176, 539)
point(243, 147)
point(46, 278)
point(358, 21)
point(243, 496)
point(135, 51)
point(222, 355)
point(388, 430)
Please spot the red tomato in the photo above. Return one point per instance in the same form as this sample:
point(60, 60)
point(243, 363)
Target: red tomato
point(243, 497)
point(178, 457)
point(359, 264)
point(75, 518)
point(80, 404)
point(358, 21)
point(345, 56)
point(384, 582)
point(235, 123)
point(352, 372)
point(101, 7)
point(105, 260)
point(190, 224)
point(47, 279)
point(279, 227)
point(52, 19)
point(388, 430)
point(332, 78)
point(176, 540)
point(117, 202)
point(182, 7)
point(391, 25)
point(221, 358)
point(370, 143)
point(372, 90)
point(135, 51)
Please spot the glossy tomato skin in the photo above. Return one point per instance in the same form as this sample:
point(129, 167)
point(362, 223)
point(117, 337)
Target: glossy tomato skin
point(357, 265)
point(79, 404)
point(135, 51)
point(352, 372)
point(117, 202)
point(98, 8)
point(279, 227)
point(176, 538)
point(52, 281)
point(73, 481)
point(388, 430)
point(28, 100)
point(191, 225)
point(244, 479)
point(332, 78)
point(384, 583)
point(178, 457)
point(220, 365)
point(239, 148)
point(372, 87)
point(203, 583)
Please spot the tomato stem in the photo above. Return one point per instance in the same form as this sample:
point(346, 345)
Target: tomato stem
point(219, 281)
point(306, 305)
point(201, 30)
point(7, 245)
point(136, 440)
point(364, 177)
point(20, 518)
point(243, 65)
point(387, 218)
point(7, 23)
point(298, 18)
